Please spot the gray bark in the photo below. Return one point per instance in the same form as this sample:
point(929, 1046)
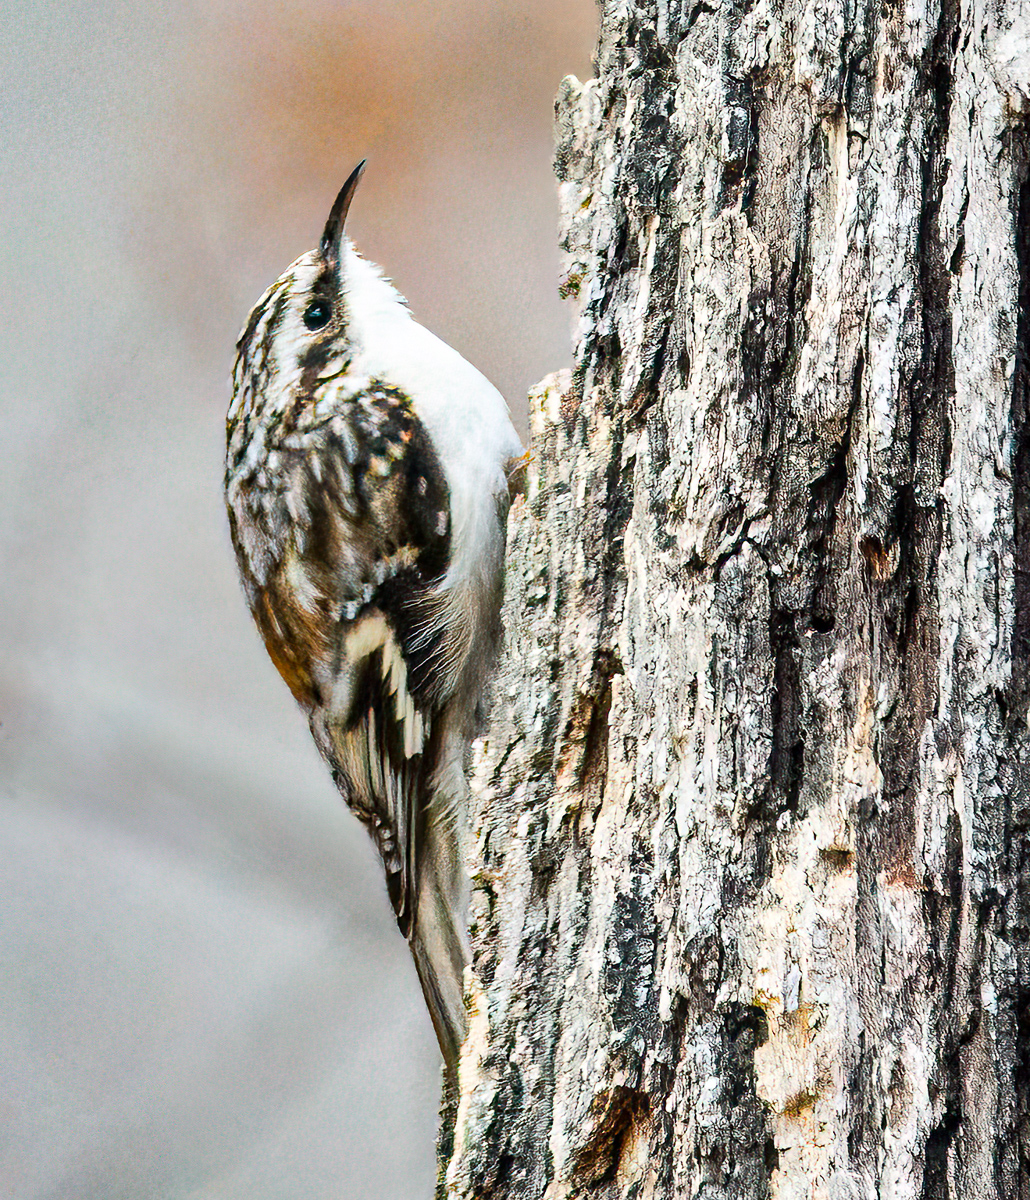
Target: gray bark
point(752, 836)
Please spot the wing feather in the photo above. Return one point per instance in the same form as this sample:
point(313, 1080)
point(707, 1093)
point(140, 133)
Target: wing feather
point(354, 614)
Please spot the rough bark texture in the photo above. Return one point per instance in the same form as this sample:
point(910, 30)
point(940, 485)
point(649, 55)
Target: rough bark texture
point(752, 906)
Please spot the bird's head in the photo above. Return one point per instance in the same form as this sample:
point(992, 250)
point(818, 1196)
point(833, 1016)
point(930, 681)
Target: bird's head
point(297, 331)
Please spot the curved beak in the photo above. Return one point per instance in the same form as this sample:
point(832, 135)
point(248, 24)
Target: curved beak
point(330, 244)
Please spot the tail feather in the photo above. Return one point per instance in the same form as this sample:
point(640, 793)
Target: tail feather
point(439, 938)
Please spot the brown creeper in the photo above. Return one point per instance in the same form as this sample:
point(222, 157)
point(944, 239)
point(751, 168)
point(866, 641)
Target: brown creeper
point(367, 487)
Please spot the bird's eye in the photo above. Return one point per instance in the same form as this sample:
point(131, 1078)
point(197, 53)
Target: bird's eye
point(317, 314)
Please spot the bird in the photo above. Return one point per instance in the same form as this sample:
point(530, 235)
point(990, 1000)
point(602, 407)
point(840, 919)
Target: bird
point(368, 476)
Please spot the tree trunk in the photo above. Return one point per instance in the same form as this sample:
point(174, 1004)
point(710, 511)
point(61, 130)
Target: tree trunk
point(752, 878)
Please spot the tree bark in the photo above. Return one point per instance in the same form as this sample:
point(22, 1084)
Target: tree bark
point(752, 829)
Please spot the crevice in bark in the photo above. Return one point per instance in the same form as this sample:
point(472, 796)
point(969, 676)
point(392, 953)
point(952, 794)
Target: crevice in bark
point(616, 1115)
point(865, 1124)
point(855, 71)
point(737, 1155)
point(1019, 694)
point(658, 328)
point(905, 607)
point(959, 253)
point(740, 117)
point(584, 744)
point(826, 493)
point(938, 1148)
point(650, 167)
point(910, 611)
point(594, 772)
point(740, 166)
point(775, 329)
point(1013, 1156)
point(787, 757)
point(1021, 1086)
point(791, 312)
point(628, 974)
point(618, 508)
point(700, 9)
point(648, 390)
point(943, 915)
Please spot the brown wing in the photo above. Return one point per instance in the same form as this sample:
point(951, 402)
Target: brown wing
point(348, 609)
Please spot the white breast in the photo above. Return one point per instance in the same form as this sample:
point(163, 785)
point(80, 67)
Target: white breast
point(464, 414)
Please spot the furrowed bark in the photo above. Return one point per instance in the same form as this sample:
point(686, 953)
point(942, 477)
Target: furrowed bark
point(752, 852)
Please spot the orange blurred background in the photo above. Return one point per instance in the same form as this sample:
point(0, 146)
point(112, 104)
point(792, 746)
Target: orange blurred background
point(202, 991)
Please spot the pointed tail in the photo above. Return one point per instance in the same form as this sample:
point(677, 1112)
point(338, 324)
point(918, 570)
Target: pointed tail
point(439, 937)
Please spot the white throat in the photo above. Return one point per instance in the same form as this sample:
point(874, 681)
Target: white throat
point(464, 414)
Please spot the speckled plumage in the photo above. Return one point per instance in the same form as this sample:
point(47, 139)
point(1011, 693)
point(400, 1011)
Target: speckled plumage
point(367, 483)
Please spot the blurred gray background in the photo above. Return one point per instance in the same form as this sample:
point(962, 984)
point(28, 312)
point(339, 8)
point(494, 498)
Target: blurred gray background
point(202, 991)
